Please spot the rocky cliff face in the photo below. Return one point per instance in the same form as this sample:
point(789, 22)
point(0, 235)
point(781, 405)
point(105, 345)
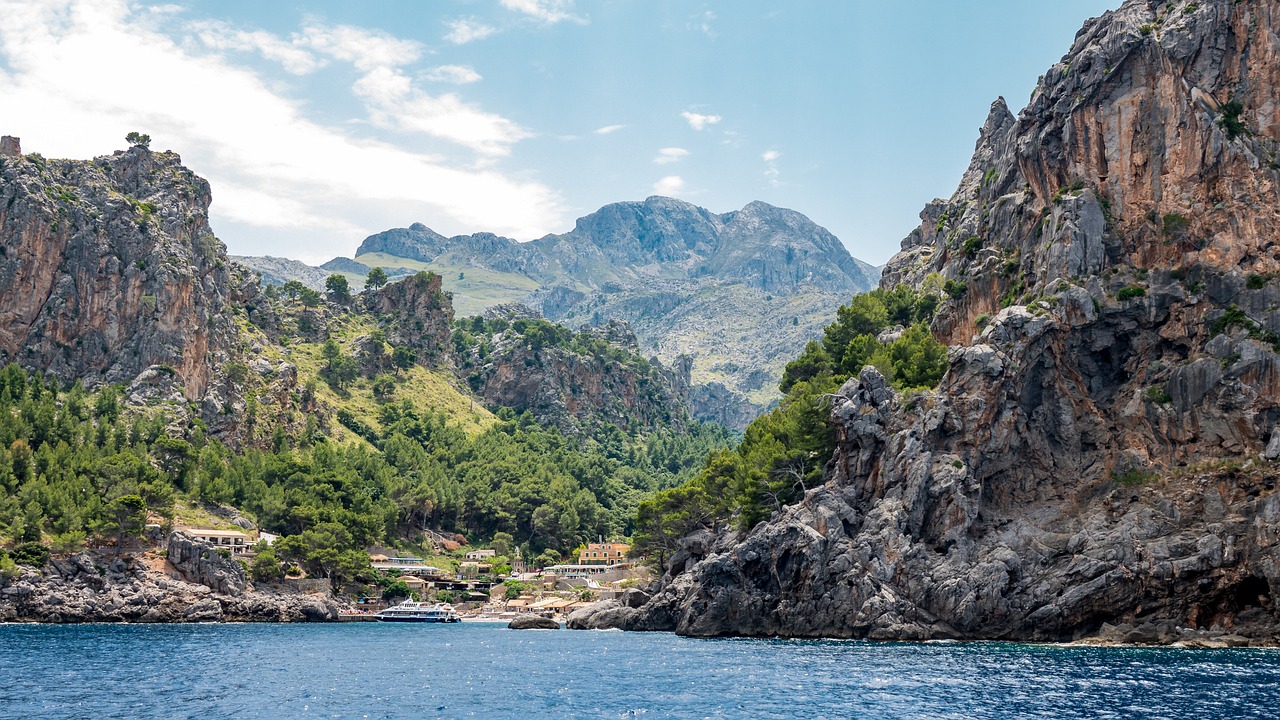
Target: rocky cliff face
point(108, 267)
point(1098, 453)
point(576, 382)
point(419, 314)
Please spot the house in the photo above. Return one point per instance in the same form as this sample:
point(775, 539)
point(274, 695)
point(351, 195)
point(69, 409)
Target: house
point(482, 554)
point(406, 565)
point(234, 540)
point(604, 554)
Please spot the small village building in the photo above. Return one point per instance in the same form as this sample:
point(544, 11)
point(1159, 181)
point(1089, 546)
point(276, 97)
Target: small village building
point(607, 554)
point(482, 554)
point(407, 566)
point(234, 540)
point(416, 584)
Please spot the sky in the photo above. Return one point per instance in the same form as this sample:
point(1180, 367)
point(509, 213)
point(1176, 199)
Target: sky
point(319, 123)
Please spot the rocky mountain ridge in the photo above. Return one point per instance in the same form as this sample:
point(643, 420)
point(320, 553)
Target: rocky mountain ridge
point(736, 292)
point(1098, 454)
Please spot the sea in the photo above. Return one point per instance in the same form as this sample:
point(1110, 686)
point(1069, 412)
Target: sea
point(478, 670)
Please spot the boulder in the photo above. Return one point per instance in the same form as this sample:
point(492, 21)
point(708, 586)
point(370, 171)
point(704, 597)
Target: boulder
point(533, 622)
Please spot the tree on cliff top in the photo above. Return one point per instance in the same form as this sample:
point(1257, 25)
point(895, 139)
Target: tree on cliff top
point(376, 279)
point(137, 139)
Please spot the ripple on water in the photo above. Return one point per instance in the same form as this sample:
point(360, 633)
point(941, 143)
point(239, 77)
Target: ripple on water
point(486, 671)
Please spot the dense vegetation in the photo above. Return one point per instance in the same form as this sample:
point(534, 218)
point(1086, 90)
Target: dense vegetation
point(783, 452)
point(76, 466)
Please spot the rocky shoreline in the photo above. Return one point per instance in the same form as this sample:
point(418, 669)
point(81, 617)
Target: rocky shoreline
point(195, 584)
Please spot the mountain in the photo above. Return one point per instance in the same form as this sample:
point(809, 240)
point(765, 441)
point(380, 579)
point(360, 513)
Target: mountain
point(737, 292)
point(1097, 458)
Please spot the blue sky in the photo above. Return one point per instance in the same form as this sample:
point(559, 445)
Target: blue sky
point(318, 123)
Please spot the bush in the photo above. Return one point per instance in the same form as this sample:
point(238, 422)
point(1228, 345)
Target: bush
point(1230, 121)
point(972, 246)
point(1159, 395)
point(956, 289)
point(1130, 292)
point(30, 553)
point(1256, 282)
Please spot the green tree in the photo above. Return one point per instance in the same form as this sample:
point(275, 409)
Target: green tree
point(137, 139)
point(403, 357)
point(338, 288)
point(376, 279)
point(266, 566)
point(126, 517)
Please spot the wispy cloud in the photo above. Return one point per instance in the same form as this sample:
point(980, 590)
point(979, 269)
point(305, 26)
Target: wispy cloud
point(219, 35)
point(702, 23)
point(670, 155)
point(70, 89)
point(770, 158)
point(456, 74)
point(465, 30)
point(670, 185)
point(698, 121)
point(607, 129)
point(548, 11)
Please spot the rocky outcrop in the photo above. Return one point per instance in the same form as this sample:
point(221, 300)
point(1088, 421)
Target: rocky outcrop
point(576, 382)
point(533, 622)
point(1092, 463)
point(89, 587)
point(200, 562)
point(418, 314)
point(109, 267)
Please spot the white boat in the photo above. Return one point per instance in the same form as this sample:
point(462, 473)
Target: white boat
point(413, 611)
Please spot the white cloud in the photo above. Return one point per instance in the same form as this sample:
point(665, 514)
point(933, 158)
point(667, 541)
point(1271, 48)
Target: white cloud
point(456, 74)
point(464, 30)
point(219, 35)
point(367, 50)
point(770, 158)
point(670, 155)
point(670, 185)
point(698, 121)
point(548, 11)
point(71, 88)
point(607, 129)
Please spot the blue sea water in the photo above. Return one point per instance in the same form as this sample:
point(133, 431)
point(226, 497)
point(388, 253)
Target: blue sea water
point(486, 671)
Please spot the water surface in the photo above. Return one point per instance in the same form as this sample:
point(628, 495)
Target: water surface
point(486, 671)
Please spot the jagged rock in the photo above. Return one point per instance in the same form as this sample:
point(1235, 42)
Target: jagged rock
point(10, 147)
point(1067, 476)
point(92, 588)
point(110, 268)
point(200, 562)
point(533, 622)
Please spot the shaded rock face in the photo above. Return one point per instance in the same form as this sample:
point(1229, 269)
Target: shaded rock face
point(109, 266)
point(1117, 339)
point(90, 588)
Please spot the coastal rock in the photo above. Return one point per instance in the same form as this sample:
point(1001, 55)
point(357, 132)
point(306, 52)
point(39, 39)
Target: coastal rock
point(89, 587)
point(1090, 464)
point(533, 622)
point(200, 562)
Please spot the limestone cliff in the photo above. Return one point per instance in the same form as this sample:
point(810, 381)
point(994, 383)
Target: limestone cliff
point(1097, 454)
point(109, 266)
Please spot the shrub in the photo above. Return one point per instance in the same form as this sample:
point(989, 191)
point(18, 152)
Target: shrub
point(972, 246)
point(1131, 477)
point(956, 288)
point(1230, 120)
point(1130, 292)
point(1159, 395)
point(1174, 223)
point(1256, 282)
point(30, 553)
